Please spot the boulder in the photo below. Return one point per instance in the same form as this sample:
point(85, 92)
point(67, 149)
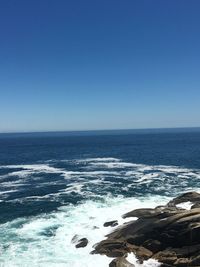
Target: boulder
point(111, 223)
point(79, 242)
point(192, 197)
point(120, 262)
point(82, 243)
point(168, 234)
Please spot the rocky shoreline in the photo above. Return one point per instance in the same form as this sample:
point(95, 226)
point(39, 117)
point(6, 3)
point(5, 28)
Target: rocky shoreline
point(169, 234)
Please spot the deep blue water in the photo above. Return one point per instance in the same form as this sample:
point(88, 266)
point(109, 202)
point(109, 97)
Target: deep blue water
point(167, 147)
point(55, 185)
point(21, 185)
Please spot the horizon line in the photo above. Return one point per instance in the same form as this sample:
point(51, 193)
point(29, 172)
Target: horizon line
point(101, 130)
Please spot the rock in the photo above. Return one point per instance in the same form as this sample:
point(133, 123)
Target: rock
point(111, 248)
point(75, 239)
point(165, 265)
point(82, 243)
point(143, 253)
point(153, 245)
point(121, 262)
point(160, 211)
point(192, 197)
point(111, 223)
point(182, 262)
point(166, 256)
point(196, 205)
point(142, 213)
point(168, 234)
point(195, 261)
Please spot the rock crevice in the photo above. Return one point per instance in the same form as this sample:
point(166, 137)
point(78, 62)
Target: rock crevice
point(169, 234)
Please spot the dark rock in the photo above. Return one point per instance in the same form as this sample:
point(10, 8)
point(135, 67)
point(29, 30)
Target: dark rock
point(160, 212)
point(111, 248)
point(82, 243)
point(196, 205)
point(192, 197)
point(166, 256)
point(182, 262)
point(113, 263)
point(168, 234)
point(153, 245)
point(165, 265)
point(139, 213)
point(111, 223)
point(120, 262)
point(143, 253)
point(195, 261)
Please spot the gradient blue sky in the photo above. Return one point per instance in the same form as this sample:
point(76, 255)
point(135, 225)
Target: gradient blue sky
point(99, 64)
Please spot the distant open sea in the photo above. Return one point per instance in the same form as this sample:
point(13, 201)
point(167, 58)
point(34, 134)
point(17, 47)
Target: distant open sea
point(56, 185)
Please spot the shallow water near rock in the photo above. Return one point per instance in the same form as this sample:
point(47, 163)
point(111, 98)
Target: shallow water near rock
point(55, 187)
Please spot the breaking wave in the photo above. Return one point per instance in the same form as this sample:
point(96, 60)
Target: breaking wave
point(52, 201)
point(45, 240)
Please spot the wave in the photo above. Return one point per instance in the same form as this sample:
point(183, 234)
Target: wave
point(102, 189)
point(113, 164)
point(99, 160)
point(45, 240)
point(92, 177)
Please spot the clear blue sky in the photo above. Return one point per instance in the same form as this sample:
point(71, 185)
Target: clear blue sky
point(99, 64)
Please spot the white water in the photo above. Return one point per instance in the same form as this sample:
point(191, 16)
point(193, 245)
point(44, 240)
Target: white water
point(45, 240)
point(97, 170)
point(27, 244)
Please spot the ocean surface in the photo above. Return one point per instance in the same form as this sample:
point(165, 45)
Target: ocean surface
point(57, 185)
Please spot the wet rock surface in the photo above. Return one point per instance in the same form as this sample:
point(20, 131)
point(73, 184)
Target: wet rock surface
point(169, 234)
point(82, 243)
point(120, 262)
point(111, 223)
point(79, 242)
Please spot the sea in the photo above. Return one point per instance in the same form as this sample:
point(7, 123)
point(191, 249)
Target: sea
point(56, 185)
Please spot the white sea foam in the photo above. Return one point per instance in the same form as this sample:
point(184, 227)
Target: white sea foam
point(148, 177)
point(113, 164)
point(185, 205)
point(32, 245)
point(69, 174)
point(74, 188)
point(103, 172)
point(131, 169)
point(42, 168)
point(46, 240)
point(99, 160)
point(35, 167)
point(149, 263)
point(7, 191)
point(28, 170)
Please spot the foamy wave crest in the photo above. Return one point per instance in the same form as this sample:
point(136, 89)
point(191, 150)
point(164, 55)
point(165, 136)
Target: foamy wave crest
point(99, 160)
point(45, 240)
point(30, 169)
point(92, 177)
point(76, 197)
point(114, 164)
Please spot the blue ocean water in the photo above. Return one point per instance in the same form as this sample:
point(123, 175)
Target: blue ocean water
point(55, 185)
